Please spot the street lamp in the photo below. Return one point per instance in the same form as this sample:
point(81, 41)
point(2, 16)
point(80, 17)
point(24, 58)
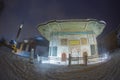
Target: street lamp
point(19, 30)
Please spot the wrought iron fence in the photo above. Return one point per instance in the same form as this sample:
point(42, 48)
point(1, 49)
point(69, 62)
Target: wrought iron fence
point(71, 60)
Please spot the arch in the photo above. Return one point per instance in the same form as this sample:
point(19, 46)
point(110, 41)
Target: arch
point(63, 57)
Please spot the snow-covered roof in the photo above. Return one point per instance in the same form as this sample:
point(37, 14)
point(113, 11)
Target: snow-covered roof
point(71, 26)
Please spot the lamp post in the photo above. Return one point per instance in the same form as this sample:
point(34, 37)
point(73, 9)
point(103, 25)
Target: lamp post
point(19, 30)
point(18, 34)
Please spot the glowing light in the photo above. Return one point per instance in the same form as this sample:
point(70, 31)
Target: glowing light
point(21, 25)
point(105, 56)
point(26, 41)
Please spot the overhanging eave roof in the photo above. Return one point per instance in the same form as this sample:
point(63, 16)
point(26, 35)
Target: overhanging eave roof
point(75, 25)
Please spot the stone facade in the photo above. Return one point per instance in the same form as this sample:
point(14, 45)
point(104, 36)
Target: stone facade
point(72, 36)
point(76, 45)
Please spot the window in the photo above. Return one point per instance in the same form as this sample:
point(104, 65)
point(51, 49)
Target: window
point(54, 51)
point(50, 51)
point(92, 49)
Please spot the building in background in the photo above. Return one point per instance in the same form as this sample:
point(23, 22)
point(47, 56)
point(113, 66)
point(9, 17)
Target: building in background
point(39, 44)
point(72, 36)
point(109, 41)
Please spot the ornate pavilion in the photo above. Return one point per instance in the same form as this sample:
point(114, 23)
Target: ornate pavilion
point(73, 37)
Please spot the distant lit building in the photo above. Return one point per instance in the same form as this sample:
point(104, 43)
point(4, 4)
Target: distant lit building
point(72, 36)
point(39, 44)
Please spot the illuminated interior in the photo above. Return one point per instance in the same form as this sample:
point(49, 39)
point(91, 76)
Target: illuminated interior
point(72, 36)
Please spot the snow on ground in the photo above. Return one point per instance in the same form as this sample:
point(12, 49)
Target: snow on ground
point(14, 67)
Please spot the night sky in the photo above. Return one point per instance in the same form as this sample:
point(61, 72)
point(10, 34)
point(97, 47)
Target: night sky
point(34, 12)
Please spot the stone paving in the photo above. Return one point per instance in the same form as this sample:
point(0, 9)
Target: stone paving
point(13, 67)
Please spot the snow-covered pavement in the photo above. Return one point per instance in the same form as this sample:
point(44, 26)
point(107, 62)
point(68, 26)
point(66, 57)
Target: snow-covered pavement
point(18, 68)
